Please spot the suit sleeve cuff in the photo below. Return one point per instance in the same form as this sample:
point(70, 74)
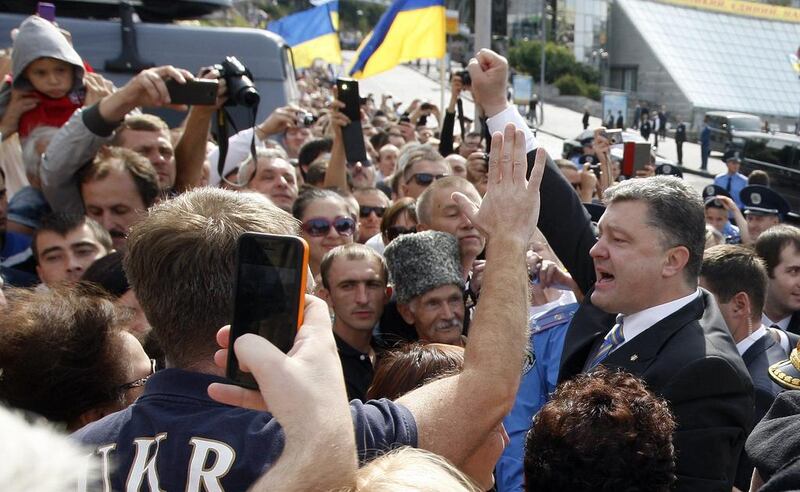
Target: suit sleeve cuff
point(95, 122)
point(510, 115)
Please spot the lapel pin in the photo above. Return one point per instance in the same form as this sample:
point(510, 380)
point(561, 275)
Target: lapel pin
point(634, 357)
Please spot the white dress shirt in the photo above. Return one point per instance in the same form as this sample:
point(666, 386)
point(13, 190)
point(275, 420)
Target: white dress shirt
point(782, 324)
point(635, 324)
point(751, 339)
point(498, 122)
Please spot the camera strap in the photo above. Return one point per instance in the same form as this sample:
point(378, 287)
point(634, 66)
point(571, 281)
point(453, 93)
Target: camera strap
point(460, 115)
point(223, 118)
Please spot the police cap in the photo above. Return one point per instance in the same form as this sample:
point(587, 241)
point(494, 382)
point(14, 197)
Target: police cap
point(760, 200)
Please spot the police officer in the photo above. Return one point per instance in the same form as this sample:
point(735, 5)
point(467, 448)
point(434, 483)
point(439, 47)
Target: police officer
point(669, 170)
point(680, 137)
point(763, 208)
point(732, 180)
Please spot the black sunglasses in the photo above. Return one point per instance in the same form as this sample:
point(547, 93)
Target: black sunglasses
point(319, 226)
point(365, 210)
point(394, 231)
point(142, 381)
point(425, 179)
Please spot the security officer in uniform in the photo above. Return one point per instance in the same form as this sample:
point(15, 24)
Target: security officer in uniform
point(763, 208)
point(669, 170)
point(732, 180)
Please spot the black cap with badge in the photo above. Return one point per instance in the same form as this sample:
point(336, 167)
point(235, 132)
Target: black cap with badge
point(710, 194)
point(669, 170)
point(731, 155)
point(760, 200)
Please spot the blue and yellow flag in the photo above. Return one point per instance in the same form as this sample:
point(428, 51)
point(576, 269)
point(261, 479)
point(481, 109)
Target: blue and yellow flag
point(408, 30)
point(333, 5)
point(310, 34)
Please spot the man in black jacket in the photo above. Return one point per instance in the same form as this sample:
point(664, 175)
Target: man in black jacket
point(643, 312)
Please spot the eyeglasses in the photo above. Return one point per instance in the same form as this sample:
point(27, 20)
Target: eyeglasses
point(319, 226)
point(425, 179)
point(365, 210)
point(394, 231)
point(142, 381)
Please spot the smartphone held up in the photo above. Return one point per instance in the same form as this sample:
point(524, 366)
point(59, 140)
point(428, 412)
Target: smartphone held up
point(269, 289)
point(354, 148)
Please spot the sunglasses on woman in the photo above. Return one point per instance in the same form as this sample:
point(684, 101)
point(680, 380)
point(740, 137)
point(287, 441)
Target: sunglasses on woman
point(393, 232)
point(319, 226)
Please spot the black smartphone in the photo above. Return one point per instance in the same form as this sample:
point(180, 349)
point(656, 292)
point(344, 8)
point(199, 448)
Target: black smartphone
point(202, 92)
point(353, 135)
point(268, 294)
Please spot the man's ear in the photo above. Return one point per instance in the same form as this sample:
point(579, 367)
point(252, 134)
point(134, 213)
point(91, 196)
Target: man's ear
point(741, 304)
point(325, 295)
point(388, 294)
point(676, 261)
point(406, 313)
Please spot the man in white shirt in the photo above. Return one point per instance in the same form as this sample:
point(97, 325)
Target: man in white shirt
point(779, 246)
point(644, 266)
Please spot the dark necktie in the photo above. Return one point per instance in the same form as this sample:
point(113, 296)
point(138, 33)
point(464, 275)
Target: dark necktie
point(728, 187)
point(613, 339)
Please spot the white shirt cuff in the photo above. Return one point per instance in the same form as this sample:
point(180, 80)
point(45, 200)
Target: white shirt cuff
point(498, 122)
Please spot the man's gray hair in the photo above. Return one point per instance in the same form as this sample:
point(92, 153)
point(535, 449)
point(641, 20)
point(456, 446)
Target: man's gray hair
point(411, 155)
point(674, 209)
point(32, 158)
point(249, 167)
point(181, 262)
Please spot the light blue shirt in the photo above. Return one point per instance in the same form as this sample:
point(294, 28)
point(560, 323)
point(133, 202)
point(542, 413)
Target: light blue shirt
point(738, 181)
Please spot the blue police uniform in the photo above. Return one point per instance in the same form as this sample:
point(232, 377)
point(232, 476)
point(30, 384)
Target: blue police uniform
point(175, 437)
point(539, 380)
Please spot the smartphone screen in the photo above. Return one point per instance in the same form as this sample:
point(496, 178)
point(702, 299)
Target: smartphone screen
point(353, 136)
point(268, 293)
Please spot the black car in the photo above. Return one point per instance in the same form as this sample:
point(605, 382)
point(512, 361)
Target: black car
point(779, 156)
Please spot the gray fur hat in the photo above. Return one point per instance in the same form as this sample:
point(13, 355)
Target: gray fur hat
point(421, 262)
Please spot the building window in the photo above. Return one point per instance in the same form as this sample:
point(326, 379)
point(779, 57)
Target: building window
point(624, 78)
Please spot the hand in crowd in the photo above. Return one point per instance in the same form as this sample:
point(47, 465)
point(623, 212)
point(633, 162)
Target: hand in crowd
point(278, 121)
point(20, 103)
point(222, 91)
point(589, 183)
point(510, 208)
point(97, 87)
point(304, 390)
point(478, 267)
point(146, 89)
point(489, 74)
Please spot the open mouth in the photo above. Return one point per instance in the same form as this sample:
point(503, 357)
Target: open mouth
point(604, 278)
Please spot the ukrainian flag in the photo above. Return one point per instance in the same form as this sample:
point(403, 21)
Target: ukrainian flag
point(408, 30)
point(311, 35)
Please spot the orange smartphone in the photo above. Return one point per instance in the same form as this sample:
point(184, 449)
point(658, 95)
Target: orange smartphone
point(269, 293)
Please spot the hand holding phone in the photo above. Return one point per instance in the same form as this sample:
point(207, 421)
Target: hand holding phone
point(202, 92)
point(352, 134)
point(268, 293)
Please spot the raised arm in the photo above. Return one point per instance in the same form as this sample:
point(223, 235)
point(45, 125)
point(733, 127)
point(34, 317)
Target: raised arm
point(481, 396)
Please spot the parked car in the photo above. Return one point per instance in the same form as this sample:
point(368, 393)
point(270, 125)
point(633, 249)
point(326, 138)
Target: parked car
point(779, 156)
point(729, 130)
point(573, 146)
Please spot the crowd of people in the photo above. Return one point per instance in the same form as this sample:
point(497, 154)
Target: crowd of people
point(478, 315)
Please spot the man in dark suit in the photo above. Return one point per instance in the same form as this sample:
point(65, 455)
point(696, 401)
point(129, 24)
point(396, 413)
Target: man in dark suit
point(780, 247)
point(646, 262)
point(738, 280)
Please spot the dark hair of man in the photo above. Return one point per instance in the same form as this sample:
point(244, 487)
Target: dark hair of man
point(142, 123)
point(772, 242)
point(674, 209)
point(107, 272)
point(405, 205)
point(116, 158)
point(312, 149)
point(62, 224)
point(60, 351)
point(601, 431)
point(311, 195)
point(413, 365)
point(181, 262)
point(380, 139)
point(315, 176)
point(351, 252)
point(758, 177)
point(729, 269)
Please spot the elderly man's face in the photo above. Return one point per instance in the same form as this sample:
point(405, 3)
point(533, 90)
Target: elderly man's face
point(437, 315)
point(387, 161)
point(446, 216)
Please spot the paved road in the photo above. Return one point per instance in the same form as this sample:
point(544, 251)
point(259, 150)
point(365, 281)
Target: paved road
point(407, 83)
